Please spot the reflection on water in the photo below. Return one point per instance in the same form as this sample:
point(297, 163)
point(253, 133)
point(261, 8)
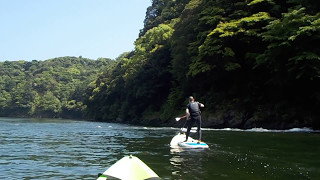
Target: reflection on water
point(189, 162)
point(66, 149)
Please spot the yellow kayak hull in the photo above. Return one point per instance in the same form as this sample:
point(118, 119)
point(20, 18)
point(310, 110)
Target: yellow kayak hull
point(129, 168)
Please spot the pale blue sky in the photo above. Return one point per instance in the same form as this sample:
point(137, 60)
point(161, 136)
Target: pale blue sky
point(44, 29)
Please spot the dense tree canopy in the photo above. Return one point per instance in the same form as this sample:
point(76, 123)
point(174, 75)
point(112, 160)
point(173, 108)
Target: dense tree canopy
point(51, 88)
point(251, 62)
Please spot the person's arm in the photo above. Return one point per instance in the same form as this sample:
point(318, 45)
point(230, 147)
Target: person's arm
point(201, 105)
point(187, 113)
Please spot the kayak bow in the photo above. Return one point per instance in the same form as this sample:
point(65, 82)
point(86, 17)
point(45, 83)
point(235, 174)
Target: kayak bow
point(129, 168)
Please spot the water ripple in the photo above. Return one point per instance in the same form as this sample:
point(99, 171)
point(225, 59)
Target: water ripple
point(66, 149)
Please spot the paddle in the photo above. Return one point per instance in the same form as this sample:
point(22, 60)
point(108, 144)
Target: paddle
point(184, 129)
point(178, 118)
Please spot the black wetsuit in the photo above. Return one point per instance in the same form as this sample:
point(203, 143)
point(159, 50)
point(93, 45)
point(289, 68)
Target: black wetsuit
point(195, 117)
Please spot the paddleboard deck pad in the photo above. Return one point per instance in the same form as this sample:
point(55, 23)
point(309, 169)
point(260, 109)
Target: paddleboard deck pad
point(179, 141)
point(193, 144)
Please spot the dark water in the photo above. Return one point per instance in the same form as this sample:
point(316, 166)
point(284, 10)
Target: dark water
point(66, 149)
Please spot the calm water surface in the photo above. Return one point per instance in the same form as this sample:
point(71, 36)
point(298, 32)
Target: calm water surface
point(67, 149)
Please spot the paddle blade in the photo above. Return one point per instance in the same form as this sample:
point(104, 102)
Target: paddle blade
point(178, 118)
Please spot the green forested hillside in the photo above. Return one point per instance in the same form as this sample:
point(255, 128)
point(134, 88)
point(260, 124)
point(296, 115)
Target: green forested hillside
point(251, 62)
point(51, 88)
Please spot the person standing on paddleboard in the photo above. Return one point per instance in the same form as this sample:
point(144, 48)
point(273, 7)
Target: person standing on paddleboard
point(193, 115)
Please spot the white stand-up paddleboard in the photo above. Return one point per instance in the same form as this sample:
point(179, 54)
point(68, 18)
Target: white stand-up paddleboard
point(179, 141)
point(129, 168)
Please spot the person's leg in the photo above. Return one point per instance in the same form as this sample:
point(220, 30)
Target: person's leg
point(198, 122)
point(190, 124)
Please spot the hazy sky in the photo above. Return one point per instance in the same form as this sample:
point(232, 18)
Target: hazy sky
point(44, 29)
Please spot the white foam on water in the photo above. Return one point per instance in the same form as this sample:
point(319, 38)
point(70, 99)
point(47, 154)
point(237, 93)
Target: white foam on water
point(153, 128)
point(293, 130)
point(305, 129)
point(193, 130)
point(259, 129)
